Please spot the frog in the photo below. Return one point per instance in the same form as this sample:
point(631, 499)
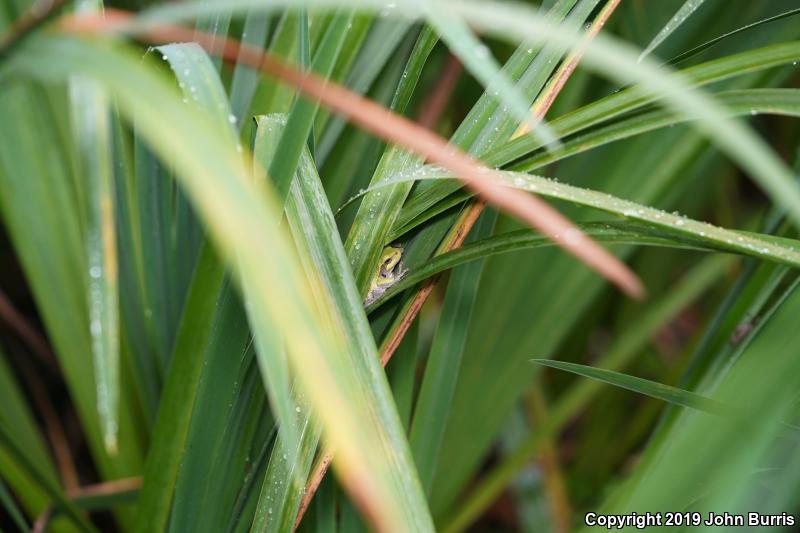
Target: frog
point(390, 270)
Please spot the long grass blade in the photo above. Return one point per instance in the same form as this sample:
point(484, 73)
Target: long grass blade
point(516, 22)
point(762, 383)
point(753, 102)
point(673, 223)
point(659, 391)
point(11, 447)
point(376, 214)
point(619, 354)
point(10, 506)
point(18, 420)
point(708, 44)
point(301, 117)
point(242, 217)
point(616, 232)
point(92, 127)
point(488, 125)
point(425, 143)
point(683, 13)
point(297, 436)
point(441, 372)
point(44, 219)
point(245, 79)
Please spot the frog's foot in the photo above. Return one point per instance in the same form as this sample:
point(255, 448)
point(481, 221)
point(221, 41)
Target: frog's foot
point(401, 272)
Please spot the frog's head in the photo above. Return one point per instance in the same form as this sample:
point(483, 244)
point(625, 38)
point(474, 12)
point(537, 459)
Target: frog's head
point(390, 271)
point(387, 270)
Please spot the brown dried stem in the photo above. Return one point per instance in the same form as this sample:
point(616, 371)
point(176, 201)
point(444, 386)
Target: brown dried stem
point(391, 127)
point(39, 347)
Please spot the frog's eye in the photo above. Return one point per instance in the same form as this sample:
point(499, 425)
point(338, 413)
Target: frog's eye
point(388, 262)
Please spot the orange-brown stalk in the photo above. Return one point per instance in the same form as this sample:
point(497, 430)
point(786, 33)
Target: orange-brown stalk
point(389, 126)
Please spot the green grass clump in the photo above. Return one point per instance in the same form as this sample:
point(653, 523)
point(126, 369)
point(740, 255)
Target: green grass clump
point(190, 228)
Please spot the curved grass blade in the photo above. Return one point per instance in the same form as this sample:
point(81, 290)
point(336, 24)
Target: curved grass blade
point(609, 232)
point(763, 384)
point(242, 218)
point(624, 349)
point(708, 44)
point(785, 102)
point(685, 11)
point(488, 124)
point(656, 390)
point(782, 102)
point(766, 247)
point(633, 98)
point(220, 378)
point(618, 62)
point(199, 83)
